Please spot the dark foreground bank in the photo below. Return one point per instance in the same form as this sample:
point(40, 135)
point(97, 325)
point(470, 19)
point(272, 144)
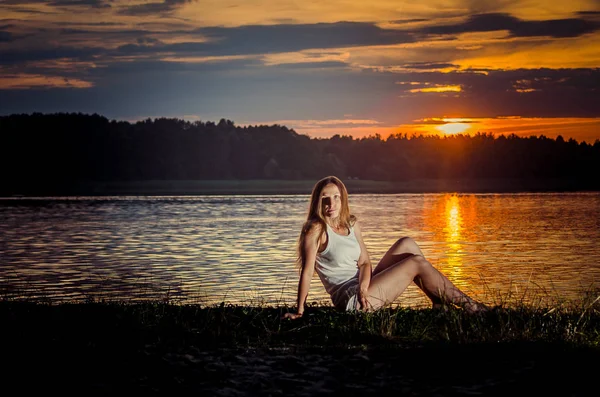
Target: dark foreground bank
point(94, 348)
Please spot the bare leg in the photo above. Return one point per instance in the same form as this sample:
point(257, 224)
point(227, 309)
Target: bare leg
point(402, 249)
point(389, 283)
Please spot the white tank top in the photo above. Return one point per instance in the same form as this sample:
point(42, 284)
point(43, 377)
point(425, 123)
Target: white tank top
point(338, 262)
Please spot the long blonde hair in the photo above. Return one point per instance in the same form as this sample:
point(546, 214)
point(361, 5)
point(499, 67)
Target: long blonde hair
point(315, 213)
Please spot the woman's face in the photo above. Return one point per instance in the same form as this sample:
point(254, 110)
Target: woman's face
point(331, 201)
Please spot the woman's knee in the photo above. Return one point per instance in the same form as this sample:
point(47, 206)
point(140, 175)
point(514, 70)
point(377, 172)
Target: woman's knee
point(421, 264)
point(415, 264)
point(407, 244)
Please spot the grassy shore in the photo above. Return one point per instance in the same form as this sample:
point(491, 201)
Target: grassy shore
point(157, 347)
point(229, 187)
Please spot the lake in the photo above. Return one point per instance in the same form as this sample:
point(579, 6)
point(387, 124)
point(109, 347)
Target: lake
point(528, 247)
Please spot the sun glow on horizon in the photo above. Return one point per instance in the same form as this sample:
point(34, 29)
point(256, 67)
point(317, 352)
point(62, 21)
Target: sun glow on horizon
point(578, 128)
point(453, 128)
point(437, 88)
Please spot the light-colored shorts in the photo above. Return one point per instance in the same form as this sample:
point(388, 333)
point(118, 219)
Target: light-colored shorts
point(346, 296)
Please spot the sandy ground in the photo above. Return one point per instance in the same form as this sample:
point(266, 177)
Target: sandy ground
point(507, 369)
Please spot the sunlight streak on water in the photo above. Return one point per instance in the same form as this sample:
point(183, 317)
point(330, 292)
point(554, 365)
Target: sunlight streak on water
point(453, 238)
point(241, 249)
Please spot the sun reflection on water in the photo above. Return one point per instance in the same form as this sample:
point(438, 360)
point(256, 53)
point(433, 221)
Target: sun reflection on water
point(452, 220)
point(453, 236)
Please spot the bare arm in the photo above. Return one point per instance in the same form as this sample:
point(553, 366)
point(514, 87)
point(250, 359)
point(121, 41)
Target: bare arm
point(311, 246)
point(364, 269)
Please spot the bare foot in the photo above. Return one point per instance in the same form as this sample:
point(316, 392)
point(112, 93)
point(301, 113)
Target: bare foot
point(476, 307)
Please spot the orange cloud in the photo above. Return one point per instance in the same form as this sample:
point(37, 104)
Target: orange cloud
point(22, 80)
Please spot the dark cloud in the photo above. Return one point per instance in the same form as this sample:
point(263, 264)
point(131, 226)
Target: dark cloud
point(404, 21)
point(546, 81)
point(476, 83)
point(311, 65)
point(88, 23)
point(282, 38)
point(244, 40)
point(476, 23)
point(19, 2)
point(429, 65)
point(13, 57)
point(148, 40)
point(5, 36)
point(61, 3)
point(126, 34)
point(247, 40)
point(555, 93)
point(81, 3)
point(254, 40)
point(555, 28)
point(72, 31)
point(31, 11)
point(570, 27)
point(162, 7)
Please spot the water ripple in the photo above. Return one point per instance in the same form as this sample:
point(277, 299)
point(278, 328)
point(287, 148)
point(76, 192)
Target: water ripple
point(241, 249)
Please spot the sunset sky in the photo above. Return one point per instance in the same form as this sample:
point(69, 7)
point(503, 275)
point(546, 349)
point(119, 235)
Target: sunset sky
point(348, 67)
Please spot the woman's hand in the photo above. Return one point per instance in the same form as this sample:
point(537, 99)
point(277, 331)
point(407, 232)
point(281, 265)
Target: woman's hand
point(362, 299)
point(292, 316)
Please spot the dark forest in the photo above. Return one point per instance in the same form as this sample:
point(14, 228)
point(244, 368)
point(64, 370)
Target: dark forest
point(55, 151)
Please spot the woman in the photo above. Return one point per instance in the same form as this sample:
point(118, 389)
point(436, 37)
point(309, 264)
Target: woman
point(331, 243)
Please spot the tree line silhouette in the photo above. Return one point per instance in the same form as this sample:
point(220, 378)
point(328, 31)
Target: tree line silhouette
point(62, 149)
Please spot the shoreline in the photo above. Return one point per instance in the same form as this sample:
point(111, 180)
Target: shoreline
point(294, 187)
